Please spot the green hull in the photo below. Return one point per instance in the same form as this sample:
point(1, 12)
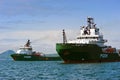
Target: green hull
point(30, 57)
point(84, 53)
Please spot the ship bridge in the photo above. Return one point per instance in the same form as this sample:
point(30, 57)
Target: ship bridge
point(89, 35)
point(26, 49)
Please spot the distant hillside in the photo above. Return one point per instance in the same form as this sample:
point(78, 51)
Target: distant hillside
point(6, 55)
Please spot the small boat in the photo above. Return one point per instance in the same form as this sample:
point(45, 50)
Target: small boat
point(25, 53)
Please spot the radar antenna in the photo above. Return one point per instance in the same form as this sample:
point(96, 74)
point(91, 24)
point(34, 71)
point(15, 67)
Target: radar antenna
point(90, 22)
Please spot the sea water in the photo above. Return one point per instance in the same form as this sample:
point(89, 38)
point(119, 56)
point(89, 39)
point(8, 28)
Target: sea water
point(56, 70)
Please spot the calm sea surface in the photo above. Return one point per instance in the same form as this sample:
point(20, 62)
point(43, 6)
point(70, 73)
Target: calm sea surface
point(55, 70)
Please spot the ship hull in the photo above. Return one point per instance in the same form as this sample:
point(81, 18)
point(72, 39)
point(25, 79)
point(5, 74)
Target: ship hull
point(29, 57)
point(84, 53)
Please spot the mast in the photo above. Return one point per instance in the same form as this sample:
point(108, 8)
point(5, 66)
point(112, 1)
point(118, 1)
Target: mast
point(28, 43)
point(64, 37)
point(90, 22)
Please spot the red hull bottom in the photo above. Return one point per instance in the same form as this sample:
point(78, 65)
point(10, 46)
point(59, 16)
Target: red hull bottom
point(89, 61)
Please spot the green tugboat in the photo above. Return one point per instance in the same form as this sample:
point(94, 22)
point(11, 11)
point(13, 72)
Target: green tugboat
point(25, 53)
point(88, 47)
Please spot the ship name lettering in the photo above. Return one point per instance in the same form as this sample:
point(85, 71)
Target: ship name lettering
point(103, 55)
point(27, 56)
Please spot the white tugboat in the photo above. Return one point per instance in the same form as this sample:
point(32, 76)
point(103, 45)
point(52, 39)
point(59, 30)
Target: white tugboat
point(25, 53)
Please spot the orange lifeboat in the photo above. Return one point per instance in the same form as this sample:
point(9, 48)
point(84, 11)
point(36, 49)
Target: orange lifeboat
point(110, 50)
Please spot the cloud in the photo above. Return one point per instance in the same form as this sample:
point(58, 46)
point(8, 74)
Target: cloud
point(19, 21)
point(29, 7)
point(43, 41)
point(4, 28)
point(112, 37)
point(17, 24)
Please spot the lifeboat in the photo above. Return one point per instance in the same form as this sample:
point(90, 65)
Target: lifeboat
point(109, 50)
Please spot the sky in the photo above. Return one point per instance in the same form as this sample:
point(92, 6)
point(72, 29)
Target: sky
point(42, 22)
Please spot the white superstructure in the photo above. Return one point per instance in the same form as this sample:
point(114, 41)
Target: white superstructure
point(89, 35)
point(26, 49)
